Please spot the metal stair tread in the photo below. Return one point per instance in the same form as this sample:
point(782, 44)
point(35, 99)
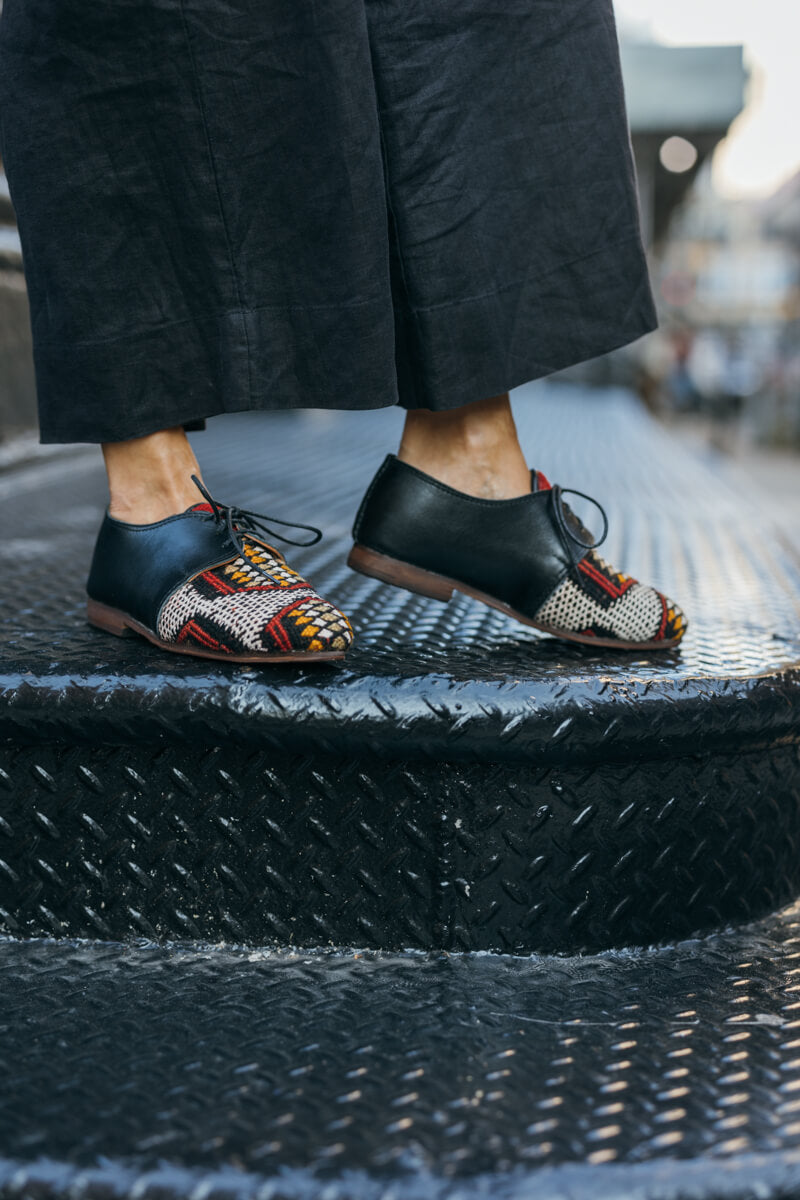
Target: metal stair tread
point(216, 1070)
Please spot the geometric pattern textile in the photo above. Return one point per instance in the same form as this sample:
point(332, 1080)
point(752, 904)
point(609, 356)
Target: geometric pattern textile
point(595, 600)
point(598, 601)
point(236, 608)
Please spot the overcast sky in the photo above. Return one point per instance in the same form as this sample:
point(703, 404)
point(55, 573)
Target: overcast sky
point(764, 146)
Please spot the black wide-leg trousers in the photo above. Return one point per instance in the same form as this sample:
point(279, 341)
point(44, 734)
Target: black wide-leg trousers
point(244, 204)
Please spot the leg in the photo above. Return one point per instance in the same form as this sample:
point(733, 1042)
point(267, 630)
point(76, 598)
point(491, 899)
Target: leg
point(474, 448)
point(150, 478)
point(145, 292)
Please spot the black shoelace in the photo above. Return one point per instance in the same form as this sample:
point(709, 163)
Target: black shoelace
point(243, 520)
point(560, 509)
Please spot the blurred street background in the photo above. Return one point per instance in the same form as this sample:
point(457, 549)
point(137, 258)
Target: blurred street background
point(713, 95)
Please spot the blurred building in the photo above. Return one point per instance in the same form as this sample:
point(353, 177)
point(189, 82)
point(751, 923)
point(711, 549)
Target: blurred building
point(682, 101)
point(782, 212)
point(726, 263)
point(17, 404)
point(726, 283)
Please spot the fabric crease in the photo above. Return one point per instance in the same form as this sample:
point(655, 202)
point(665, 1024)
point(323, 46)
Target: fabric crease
point(239, 204)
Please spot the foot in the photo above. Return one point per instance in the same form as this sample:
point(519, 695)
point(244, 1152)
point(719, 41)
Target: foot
point(204, 582)
point(528, 556)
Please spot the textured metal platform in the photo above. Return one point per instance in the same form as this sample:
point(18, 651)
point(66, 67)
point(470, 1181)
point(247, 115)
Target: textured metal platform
point(458, 782)
point(156, 1073)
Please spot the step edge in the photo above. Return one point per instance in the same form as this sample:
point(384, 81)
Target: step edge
point(649, 719)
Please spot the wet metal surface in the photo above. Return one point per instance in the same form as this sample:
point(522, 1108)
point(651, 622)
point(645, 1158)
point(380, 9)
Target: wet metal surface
point(366, 1072)
point(261, 847)
point(458, 782)
point(673, 523)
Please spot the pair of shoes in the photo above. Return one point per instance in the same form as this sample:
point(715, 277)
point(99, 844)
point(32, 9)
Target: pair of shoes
point(206, 583)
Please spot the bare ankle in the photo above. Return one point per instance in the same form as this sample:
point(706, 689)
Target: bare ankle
point(473, 449)
point(149, 478)
point(143, 508)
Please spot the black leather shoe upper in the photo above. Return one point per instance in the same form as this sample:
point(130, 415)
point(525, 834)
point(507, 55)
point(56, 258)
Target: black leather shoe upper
point(514, 550)
point(135, 567)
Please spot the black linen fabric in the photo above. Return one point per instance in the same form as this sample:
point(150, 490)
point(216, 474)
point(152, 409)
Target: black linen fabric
point(244, 204)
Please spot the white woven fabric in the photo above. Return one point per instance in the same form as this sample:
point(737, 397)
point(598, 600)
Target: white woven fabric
point(635, 617)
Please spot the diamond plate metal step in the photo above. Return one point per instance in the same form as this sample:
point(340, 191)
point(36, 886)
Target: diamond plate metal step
point(160, 1073)
point(458, 782)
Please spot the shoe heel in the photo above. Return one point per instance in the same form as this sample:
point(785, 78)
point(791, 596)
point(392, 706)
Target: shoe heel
point(109, 619)
point(404, 575)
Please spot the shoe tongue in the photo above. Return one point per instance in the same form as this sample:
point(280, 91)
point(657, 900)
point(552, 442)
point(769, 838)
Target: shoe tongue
point(539, 482)
point(204, 507)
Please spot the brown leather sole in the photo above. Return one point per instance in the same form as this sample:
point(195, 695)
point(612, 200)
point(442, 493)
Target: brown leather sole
point(113, 620)
point(439, 587)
